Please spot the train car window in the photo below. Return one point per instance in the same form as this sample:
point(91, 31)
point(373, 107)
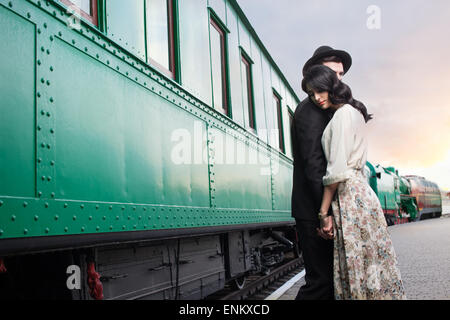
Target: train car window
point(277, 106)
point(248, 90)
point(160, 35)
point(218, 64)
point(88, 9)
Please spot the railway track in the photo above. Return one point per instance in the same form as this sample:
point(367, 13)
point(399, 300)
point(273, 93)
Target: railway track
point(259, 287)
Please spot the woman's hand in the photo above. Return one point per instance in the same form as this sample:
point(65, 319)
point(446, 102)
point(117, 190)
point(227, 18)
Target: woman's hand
point(326, 228)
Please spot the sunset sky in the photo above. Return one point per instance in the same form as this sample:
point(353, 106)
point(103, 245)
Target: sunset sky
point(401, 68)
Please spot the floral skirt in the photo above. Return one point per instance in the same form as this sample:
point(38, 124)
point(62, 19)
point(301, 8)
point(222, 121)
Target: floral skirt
point(365, 263)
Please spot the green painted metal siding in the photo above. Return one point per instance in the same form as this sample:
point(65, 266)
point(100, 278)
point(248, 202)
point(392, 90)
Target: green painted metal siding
point(89, 140)
point(17, 83)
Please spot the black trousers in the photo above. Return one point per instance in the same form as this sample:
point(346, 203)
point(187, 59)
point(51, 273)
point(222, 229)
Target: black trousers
point(318, 257)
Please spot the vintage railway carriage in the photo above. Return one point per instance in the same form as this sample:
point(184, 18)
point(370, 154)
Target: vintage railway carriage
point(427, 195)
point(146, 141)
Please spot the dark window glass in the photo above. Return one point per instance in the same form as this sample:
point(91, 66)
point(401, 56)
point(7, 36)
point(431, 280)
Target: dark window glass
point(277, 105)
point(248, 91)
point(219, 83)
point(88, 9)
point(160, 35)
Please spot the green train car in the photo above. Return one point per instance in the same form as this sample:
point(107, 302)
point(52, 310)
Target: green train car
point(145, 149)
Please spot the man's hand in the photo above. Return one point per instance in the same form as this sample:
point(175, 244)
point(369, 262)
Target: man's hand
point(326, 228)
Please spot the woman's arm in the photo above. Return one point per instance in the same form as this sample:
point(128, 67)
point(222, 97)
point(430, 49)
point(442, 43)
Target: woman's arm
point(326, 222)
point(328, 194)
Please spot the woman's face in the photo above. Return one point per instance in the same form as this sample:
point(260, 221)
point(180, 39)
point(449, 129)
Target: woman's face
point(320, 99)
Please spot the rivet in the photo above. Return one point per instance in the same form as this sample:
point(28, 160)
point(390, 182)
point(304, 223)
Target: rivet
point(25, 231)
point(82, 229)
point(90, 217)
point(82, 206)
point(65, 205)
point(97, 228)
point(1, 203)
point(56, 217)
point(47, 230)
point(74, 218)
point(1, 232)
point(52, 163)
point(66, 229)
point(46, 204)
point(13, 218)
point(52, 194)
point(49, 178)
point(25, 204)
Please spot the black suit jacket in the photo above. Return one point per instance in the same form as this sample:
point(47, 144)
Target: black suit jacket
point(310, 163)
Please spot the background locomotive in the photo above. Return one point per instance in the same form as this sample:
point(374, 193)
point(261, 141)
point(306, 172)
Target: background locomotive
point(404, 198)
point(145, 143)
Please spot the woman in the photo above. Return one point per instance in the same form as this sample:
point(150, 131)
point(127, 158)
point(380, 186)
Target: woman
point(365, 264)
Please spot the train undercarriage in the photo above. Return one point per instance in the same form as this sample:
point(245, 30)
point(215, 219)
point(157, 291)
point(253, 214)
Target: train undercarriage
point(166, 269)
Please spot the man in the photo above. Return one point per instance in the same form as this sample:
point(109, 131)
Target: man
point(309, 168)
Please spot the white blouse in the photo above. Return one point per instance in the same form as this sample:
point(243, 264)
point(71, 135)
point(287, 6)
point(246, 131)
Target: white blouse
point(344, 143)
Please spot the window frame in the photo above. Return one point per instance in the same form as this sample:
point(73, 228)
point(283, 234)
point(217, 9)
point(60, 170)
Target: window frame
point(172, 71)
point(250, 94)
point(94, 18)
point(223, 31)
point(277, 99)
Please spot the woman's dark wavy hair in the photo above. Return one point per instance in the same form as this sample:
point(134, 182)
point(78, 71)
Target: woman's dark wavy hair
point(320, 78)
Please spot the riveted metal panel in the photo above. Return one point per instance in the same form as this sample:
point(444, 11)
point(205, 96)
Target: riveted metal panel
point(242, 173)
point(125, 141)
point(17, 105)
point(281, 183)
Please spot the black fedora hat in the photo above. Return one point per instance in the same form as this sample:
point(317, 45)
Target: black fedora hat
point(326, 51)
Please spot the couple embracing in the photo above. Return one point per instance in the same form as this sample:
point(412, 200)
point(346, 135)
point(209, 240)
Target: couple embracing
point(343, 236)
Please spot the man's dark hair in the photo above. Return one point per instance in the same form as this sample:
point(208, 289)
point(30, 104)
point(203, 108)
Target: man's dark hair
point(329, 59)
